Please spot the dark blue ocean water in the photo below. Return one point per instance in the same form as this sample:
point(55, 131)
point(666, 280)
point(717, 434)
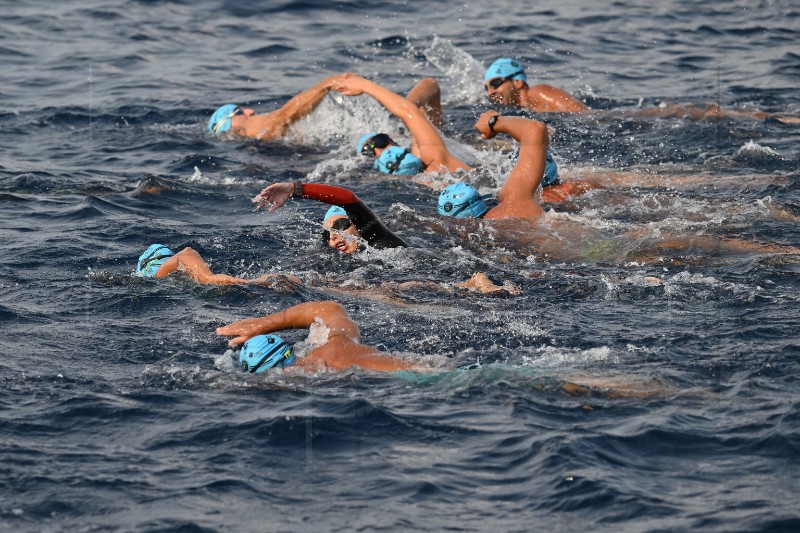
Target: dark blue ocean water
point(120, 409)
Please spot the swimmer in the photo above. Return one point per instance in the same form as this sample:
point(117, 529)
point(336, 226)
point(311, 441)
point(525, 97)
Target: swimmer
point(237, 120)
point(516, 201)
point(516, 198)
point(347, 225)
point(708, 112)
point(428, 152)
point(395, 292)
point(506, 83)
point(478, 282)
point(158, 261)
point(342, 349)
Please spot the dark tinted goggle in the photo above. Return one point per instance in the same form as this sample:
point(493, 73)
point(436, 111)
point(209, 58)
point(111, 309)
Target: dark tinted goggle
point(340, 224)
point(145, 263)
point(495, 83)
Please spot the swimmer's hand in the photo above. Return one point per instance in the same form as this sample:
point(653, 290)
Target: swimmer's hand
point(275, 196)
point(329, 82)
point(243, 330)
point(480, 282)
point(482, 125)
point(349, 85)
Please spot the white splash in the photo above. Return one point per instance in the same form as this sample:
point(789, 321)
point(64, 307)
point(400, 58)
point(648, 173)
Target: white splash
point(751, 148)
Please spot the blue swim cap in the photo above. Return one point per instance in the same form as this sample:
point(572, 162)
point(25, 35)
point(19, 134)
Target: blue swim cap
point(362, 140)
point(152, 259)
point(461, 201)
point(334, 211)
point(220, 121)
point(397, 160)
point(550, 171)
point(263, 352)
point(506, 67)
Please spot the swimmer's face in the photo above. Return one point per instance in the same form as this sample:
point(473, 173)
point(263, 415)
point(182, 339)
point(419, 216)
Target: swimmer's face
point(503, 91)
point(238, 120)
point(343, 235)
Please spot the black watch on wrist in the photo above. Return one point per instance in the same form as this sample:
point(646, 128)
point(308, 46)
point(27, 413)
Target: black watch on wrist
point(492, 122)
point(298, 190)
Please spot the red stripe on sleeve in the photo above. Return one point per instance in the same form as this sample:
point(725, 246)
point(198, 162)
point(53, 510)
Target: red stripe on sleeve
point(329, 194)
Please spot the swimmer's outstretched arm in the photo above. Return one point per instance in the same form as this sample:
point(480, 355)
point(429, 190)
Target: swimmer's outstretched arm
point(302, 315)
point(343, 348)
point(517, 195)
point(278, 194)
point(428, 145)
point(301, 105)
point(191, 263)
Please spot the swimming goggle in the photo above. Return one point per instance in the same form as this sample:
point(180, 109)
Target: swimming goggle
point(495, 83)
point(380, 140)
point(147, 262)
point(340, 224)
point(236, 111)
point(270, 360)
point(463, 207)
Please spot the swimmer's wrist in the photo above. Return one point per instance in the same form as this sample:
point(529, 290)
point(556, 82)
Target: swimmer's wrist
point(298, 190)
point(492, 122)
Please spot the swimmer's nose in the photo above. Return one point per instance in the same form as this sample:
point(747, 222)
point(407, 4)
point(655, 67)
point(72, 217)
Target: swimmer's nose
point(335, 240)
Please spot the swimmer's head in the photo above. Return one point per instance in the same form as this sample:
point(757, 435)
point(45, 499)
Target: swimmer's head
point(550, 171)
point(220, 121)
point(339, 232)
point(366, 146)
point(397, 160)
point(505, 68)
point(461, 201)
point(152, 259)
point(263, 352)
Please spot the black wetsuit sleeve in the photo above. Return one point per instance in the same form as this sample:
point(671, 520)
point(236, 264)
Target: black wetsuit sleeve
point(368, 224)
point(371, 228)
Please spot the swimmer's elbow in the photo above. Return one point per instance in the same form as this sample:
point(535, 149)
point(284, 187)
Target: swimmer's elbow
point(538, 130)
point(528, 132)
point(329, 307)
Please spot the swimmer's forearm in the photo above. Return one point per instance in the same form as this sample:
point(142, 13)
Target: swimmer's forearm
point(393, 102)
point(296, 317)
point(303, 104)
point(278, 194)
point(328, 194)
point(527, 174)
point(250, 327)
